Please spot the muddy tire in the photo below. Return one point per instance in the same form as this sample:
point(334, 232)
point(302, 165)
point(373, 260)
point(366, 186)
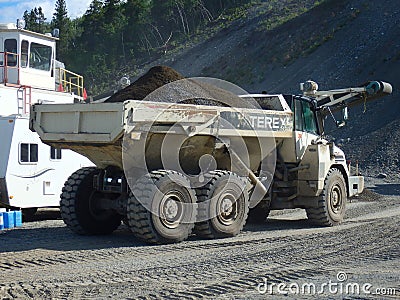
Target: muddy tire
point(259, 213)
point(223, 205)
point(332, 202)
point(78, 206)
point(172, 203)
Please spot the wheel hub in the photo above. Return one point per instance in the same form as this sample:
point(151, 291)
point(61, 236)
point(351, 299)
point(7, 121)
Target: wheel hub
point(171, 209)
point(95, 209)
point(336, 199)
point(227, 208)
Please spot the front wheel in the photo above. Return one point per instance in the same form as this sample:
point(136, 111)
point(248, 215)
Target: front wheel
point(331, 205)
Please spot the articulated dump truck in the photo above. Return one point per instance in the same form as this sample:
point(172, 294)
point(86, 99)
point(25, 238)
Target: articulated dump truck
point(168, 170)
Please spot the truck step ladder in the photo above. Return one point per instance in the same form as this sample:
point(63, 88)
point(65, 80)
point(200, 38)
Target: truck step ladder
point(24, 96)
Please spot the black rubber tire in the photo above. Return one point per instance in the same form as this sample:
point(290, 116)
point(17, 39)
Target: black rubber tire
point(152, 228)
point(259, 213)
point(330, 211)
point(28, 213)
point(125, 221)
point(75, 206)
point(211, 224)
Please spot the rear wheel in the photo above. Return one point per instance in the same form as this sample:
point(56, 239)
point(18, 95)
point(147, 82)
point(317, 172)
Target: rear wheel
point(331, 205)
point(223, 205)
point(79, 205)
point(162, 208)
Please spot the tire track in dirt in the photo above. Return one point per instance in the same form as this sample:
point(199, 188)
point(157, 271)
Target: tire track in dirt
point(48, 258)
point(244, 278)
point(210, 268)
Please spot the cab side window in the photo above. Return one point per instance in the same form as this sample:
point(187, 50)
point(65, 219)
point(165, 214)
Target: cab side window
point(299, 119)
point(28, 153)
point(304, 117)
point(24, 53)
point(10, 46)
point(40, 57)
point(310, 124)
point(55, 153)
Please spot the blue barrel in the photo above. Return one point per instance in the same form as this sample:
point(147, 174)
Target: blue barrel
point(1, 221)
point(8, 218)
point(17, 218)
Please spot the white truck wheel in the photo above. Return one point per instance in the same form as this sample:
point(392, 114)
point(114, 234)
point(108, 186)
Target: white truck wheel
point(78, 209)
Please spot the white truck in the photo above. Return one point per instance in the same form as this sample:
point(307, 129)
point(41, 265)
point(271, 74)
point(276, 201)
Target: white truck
point(32, 173)
point(172, 169)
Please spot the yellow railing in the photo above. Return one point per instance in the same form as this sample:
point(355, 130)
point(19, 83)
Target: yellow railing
point(71, 82)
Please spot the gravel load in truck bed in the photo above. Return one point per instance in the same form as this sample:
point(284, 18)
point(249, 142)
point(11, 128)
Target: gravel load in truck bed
point(156, 77)
point(191, 91)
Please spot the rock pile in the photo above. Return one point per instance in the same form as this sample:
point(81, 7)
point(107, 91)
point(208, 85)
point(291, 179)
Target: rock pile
point(156, 77)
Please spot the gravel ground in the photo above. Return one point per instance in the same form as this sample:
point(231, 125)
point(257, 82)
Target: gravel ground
point(43, 259)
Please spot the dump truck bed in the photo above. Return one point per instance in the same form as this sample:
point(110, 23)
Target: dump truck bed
point(96, 130)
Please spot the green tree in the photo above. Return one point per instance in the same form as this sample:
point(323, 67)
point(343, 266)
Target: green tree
point(62, 22)
point(91, 24)
point(115, 35)
point(138, 24)
point(113, 26)
point(35, 20)
point(41, 20)
point(30, 19)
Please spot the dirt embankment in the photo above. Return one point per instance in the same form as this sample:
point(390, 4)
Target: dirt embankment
point(339, 43)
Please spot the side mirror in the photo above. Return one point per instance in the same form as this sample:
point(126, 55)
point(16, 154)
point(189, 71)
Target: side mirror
point(345, 113)
point(345, 117)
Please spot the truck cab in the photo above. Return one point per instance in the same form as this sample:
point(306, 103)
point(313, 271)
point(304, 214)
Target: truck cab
point(27, 58)
point(32, 173)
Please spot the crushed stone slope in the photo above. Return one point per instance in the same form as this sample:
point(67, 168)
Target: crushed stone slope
point(338, 43)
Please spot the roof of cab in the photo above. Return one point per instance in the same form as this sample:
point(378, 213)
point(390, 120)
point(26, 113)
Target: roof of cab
point(11, 27)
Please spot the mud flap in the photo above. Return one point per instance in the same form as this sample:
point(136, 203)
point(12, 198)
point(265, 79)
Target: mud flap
point(4, 200)
point(356, 185)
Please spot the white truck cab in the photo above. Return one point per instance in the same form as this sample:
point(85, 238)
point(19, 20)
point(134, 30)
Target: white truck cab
point(32, 173)
point(27, 57)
